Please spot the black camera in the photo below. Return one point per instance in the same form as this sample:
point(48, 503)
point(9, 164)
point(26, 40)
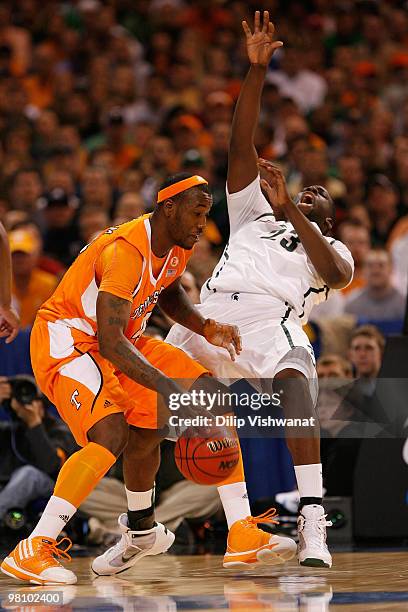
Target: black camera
point(23, 389)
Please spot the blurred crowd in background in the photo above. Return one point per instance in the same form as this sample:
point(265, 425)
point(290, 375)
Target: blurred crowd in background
point(101, 100)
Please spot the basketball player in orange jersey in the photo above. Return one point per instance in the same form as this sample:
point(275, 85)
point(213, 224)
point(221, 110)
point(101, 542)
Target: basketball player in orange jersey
point(107, 379)
point(9, 322)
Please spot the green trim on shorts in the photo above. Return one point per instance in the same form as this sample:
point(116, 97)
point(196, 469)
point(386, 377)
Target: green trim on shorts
point(288, 336)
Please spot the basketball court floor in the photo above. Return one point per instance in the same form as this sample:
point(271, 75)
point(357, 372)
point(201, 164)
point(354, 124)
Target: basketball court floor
point(363, 581)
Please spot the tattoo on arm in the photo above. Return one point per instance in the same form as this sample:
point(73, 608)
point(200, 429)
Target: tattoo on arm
point(112, 318)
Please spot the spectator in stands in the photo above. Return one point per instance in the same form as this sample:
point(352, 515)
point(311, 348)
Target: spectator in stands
point(25, 190)
point(366, 353)
point(379, 300)
point(114, 138)
point(129, 206)
point(306, 87)
point(366, 350)
point(382, 202)
point(33, 445)
point(91, 222)
point(352, 174)
point(333, 366)
point(31, 285)
point(357, 238)
point(60, 235)
point(96, 189)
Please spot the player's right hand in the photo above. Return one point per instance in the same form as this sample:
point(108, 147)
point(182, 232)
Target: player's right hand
point(9, 324)
point(260, 43)
point(223, 335)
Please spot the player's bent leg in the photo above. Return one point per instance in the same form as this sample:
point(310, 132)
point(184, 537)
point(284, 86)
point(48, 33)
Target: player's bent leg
point(141, 535)
point(35, 559)
point(246, 543)
point(304, 445)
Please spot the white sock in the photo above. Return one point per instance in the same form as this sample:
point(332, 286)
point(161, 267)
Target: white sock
point(140, 500)
point(234, 498)
point(309, 480)
point(56, 515)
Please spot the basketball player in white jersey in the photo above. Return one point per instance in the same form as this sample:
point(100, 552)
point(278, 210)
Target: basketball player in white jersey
point(278, 263)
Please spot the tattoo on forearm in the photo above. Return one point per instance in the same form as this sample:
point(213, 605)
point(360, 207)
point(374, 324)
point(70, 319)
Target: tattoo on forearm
point(116, 321)
point(133, 364)
point(113, 317)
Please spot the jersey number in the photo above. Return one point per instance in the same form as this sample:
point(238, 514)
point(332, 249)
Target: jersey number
point(288, 244)
point(291, 244)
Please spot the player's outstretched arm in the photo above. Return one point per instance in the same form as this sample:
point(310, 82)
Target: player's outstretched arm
point(334, 270)
point(177, 305)
point(9, 322)
point(243, 157)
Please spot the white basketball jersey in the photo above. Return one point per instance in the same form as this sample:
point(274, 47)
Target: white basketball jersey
point(265, 256)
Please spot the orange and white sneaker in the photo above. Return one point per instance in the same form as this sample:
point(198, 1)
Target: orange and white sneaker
point(247, 544)
point(36, 560)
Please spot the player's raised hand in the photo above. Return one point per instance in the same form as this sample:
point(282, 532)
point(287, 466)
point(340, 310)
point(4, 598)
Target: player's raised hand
point(260, 43)
point(225, 336)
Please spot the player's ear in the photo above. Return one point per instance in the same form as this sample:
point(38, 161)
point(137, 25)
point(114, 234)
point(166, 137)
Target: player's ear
point(169, 207)
point(329, 223)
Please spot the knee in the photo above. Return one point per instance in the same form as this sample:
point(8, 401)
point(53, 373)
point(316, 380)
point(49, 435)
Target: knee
point(112, 433)
point(290, 380)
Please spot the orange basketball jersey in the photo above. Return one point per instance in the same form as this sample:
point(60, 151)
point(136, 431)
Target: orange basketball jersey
point(73, 304)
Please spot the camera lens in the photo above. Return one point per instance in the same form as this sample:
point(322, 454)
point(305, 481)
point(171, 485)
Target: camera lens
point(24, 390)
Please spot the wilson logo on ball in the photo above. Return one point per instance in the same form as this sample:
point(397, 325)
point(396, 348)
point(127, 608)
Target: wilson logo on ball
point(215, 446)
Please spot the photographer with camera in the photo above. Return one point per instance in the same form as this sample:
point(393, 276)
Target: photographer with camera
point(33, 445)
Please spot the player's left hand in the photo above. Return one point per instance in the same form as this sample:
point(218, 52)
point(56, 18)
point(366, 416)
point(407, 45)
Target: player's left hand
point(260, 43)
point(9, 324)
point(276, 187)
point(225, 336)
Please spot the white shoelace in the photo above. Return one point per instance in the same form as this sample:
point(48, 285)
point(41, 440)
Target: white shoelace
point(315, 530)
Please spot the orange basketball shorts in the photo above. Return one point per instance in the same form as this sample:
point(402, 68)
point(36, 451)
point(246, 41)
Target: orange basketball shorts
point(85, 387)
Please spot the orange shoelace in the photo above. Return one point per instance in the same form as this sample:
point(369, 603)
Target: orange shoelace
point(266, 517)
point(50, 549)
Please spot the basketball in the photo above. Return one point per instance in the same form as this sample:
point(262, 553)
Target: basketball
point(207, 461)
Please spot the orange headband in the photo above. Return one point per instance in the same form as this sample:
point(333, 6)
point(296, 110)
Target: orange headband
point(172, 190)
